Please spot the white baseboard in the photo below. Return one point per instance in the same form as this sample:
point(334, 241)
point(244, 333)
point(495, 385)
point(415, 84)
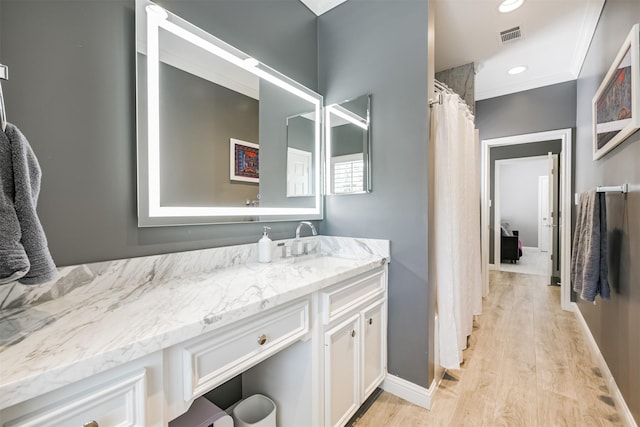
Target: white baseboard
point(409, 391)
point(493, 267)
point(606, 373)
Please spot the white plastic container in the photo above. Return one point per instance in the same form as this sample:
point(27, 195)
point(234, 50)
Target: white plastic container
point(264, 247)
point(255, 411)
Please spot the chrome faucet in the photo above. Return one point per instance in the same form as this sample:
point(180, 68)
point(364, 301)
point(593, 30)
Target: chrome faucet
point(300, 247)
point(313, 229)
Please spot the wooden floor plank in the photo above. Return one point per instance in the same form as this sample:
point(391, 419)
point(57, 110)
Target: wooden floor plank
point(528, 364)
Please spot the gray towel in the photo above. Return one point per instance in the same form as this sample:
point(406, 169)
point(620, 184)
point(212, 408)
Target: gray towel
point(26, 187)
point(13, 259)
point(589, 270)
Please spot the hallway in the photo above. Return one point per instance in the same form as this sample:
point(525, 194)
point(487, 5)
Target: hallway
point(528, 364)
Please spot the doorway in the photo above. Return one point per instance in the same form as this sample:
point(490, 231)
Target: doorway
point(523, 229)
point(564, 220)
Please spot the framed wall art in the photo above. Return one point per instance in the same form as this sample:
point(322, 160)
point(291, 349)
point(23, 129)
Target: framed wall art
point(244, 161)
point(616, 105)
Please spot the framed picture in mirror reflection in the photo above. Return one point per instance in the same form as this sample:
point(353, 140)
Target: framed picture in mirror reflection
point(244, 161)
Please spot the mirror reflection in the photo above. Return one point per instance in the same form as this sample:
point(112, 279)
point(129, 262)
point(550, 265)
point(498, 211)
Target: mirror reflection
point(221, 136)
point(300, 155)
point(348, 146)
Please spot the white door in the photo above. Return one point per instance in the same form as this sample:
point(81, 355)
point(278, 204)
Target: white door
point(342, 360)
point(373, 354)
point(543, 214)
point(298, 172)
point(553, 215)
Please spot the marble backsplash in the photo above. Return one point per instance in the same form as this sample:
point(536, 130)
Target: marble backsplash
point(167, 267)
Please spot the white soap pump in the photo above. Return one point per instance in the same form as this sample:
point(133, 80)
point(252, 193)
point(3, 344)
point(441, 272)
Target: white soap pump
point(264, 246)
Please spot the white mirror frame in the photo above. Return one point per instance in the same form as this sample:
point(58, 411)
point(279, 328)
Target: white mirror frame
point(150, 212)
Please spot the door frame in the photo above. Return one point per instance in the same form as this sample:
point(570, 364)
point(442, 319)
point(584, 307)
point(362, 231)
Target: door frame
point(543, 189)
point(566, 158)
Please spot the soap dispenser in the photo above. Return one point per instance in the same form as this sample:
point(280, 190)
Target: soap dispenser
point(264, 247)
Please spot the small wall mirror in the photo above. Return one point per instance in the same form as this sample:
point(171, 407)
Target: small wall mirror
point(348, 142)
point(221, 136)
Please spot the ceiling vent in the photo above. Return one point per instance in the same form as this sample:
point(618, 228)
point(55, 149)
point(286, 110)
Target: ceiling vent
point(511, 35)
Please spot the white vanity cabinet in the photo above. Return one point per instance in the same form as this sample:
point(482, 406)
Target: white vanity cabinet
point(123, 396)
point(374, 345)
point(354, 341)
point(309, 332)
point(203, 363)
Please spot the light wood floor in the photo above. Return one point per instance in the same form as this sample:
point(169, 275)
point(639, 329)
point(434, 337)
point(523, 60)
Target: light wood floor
point(528, 364)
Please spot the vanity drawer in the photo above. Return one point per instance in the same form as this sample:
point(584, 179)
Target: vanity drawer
point(345, 297)
point(118, 402)
point(211, 361)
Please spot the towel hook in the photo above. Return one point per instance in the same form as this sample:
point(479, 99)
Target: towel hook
point(4, 75)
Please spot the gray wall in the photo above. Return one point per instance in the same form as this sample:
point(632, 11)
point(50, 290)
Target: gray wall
point(380, 47)
point(614, 323)
point(195, 128)
point(536, 110)
point(72, 92)
point(519, 197)
point(347, 139)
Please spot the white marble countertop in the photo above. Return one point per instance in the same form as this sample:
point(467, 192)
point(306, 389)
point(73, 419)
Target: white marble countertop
point(92, 329)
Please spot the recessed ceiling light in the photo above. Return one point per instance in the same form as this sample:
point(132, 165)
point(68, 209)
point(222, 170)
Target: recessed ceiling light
point(517, 70)
point(510, 5)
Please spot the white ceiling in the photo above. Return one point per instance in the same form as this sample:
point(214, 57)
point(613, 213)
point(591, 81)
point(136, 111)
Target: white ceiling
point(556, 36)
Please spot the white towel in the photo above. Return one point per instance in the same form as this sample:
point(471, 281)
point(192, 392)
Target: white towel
point(24, 195)
point(589, 270)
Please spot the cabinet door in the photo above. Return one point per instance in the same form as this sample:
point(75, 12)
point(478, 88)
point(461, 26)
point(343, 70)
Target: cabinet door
point(342, 359)
point(374, 347)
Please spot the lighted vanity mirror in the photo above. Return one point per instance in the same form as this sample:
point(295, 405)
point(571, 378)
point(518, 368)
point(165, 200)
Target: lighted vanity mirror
point(348, 142)
point(217, 131)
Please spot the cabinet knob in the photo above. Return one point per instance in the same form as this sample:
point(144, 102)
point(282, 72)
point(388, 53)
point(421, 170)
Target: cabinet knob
point(262, 339)
point(353, 333)
point(371, 320)
point(92, 423)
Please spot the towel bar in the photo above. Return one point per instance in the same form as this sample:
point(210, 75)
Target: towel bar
point(624, 188)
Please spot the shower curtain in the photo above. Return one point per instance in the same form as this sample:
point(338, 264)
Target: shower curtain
point(456, 201)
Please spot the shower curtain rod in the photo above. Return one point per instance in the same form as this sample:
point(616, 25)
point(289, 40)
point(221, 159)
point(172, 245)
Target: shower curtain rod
point(441, 87)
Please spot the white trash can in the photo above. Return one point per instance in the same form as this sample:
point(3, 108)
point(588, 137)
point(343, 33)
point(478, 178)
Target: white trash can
point(255, 411)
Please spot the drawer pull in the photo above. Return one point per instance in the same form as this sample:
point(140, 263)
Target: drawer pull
point(371, 320)
point(92, 423)
point(353, 333)
point(262, 339)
